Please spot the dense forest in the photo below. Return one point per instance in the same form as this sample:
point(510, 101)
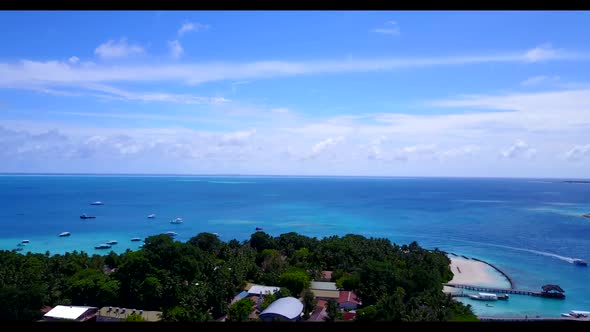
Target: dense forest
point(196, 280)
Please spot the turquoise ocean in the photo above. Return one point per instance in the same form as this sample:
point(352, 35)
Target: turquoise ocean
point(529, 228)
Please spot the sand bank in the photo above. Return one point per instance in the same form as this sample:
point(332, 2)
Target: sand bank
point(475, 273)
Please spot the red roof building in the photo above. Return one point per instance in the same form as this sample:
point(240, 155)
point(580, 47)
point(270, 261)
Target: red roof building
point(348, 300)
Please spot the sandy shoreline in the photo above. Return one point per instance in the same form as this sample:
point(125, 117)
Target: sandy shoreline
point(475, 273)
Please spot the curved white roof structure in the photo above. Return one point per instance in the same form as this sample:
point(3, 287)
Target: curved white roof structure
point(286, 307)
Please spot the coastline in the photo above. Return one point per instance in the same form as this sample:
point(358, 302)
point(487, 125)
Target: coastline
point(475, 272)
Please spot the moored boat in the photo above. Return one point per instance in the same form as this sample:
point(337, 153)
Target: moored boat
point(258, 228)
point(25, 241)
point(85, 216)
point(171, 233)
point(151, 216)
point(135, 239)
point(97, 203)
point(102, 246)
point(484, 296)
point(62, 234)
point(18, 249)
point(176, 221)
point(112, 242)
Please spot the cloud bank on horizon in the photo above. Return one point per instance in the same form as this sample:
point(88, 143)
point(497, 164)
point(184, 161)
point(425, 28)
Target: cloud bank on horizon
point(347, 93)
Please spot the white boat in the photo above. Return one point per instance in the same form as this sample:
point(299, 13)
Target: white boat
point(64, 234)
point(112, 242)
point(97, 203)
point(579, 313)
point(152, 216)
point(135, 239)
point(25, 241)
point(102, 246)
point(484, 296)
point(176, 221)
point(171, 233)
point(580, 262)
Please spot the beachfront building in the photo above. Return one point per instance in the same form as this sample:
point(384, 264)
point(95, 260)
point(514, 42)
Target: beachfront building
point(348, 300)
point(114, 314)
point(283, 309)
point(71, 313)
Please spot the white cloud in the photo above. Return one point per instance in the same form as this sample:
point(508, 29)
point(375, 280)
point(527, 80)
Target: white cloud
point(190, 26)
point(578, 152)
point(323, 145)
point(520, 148)
point(541, 53)
point(536, 80)
point(117, 49)
point(74, 59)
point(390, 28)
point(55, 72)
point(112, 92)
point(176, 49)
point(237, 138)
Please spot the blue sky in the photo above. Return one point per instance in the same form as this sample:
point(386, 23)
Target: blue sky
point(390, 93)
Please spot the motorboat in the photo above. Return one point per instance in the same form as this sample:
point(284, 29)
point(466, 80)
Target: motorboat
point(503, 297)
point(112, 242)
point(97, 203)
point(135, 239)
point(85, 216)
point(484, 296)
point(258, 228)
point(151, 216)
point(102, 246)
point(580, 262)
point(176, 221)
point(64, 234)
point(21, 245)
point(18, 249)
point(171, 233)
point(25, 241)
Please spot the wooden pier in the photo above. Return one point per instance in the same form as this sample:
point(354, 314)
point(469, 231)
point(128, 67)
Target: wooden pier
point(496, 290)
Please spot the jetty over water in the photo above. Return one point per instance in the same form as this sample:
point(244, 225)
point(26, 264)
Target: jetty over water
point(544, 293)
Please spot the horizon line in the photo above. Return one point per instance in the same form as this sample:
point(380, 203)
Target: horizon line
point(289, 175)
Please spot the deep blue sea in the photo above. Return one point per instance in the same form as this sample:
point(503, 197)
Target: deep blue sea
point(531, 229)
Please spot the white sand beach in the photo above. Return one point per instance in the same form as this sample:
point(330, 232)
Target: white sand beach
point(476, 273)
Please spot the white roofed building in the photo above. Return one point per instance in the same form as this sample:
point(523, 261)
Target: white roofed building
point(71, 313)
point(264, 290)
point(286, 308)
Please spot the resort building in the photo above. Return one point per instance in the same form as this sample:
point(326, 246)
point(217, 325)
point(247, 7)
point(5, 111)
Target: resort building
point(348, 300)
point(325, 290)
point(114, 314)
point(71, 313)
point(285, 309)
point(262, 290)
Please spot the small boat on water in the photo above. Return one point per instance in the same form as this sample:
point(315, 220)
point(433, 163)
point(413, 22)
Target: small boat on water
point(97, 203)
point(102, 246)
point(576, 314)
point(85, 216)
point(171, 233)
point(176, 221)
point(64, 234)
point(503, 297)
point(141, 245)
point(112, 242)
point(25, 241)
point(484, 296)
point(258, 228)
point(135, 239)
point(580, 262)
point(21, 245)
point(18, 249)
point(151, 216)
